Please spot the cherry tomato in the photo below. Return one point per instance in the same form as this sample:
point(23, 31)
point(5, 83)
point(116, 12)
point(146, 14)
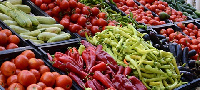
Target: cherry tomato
point(169, 31)
point(51, 5)
point(102, 15)
point(38, 2)
point(172, 36)
point(111, 24)
point(44, 7)
point(56, 10)
point(179, 36)
point(64, 5)
point(82, 20)
point(73, 3)
point(193, 47)
point(130, 3)
point(95, 11)
point(75, 28)
point(183, 41)
point(77, 10)
point(101, 22)
point(93, 21)
point(95, 29)
point(85, 11)
point(80, 5)
point(65, 22)
point(74, 17)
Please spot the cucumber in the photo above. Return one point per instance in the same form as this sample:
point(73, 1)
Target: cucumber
point(10, 22)
point(5, 17)
point(18, 29)
point(14, 2)
point(194, 15)
point(197, 13)
point(189, 11)
point(60, 37)
point(55, 30)
point(45, 36)
point(185, 13)
point(24, 8)
point(28, 37)
point(45, 20)
point(50, 25)
point(33, 33)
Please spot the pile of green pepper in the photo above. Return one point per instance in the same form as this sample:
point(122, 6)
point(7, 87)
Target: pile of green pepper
point(157, 69)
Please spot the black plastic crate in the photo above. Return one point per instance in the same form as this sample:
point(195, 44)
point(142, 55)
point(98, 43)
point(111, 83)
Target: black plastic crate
point(60, 47)
point(190, 86)
point(166, 26)
point(38, 12)
point(22, 42)
point(6, 56)
point(197, 23)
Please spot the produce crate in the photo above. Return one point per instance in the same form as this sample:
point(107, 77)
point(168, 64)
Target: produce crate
point(59, 47)
point(193, 85)
point(38, 12)
point(7, 56)
point(22, 42)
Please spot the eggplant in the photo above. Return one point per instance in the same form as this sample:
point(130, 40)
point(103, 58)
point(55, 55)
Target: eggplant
point(163, 41)
point(179, 53)
point(172, 48)
point(154, 38)
point(166, 48)
point(192, 63)
point(160, 36)
point(181, 68)
point(184, 79)
point(188, 75)
point(156, 46)
point(185, 56)
point(146, 37)
point(192, 53)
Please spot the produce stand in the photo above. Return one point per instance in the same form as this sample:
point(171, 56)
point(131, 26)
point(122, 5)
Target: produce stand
point(135, 44)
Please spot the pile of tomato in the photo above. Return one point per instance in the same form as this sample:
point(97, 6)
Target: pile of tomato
point(138, 12)
point(160, 6)
point(27, 72)
point(75, 16)
point(191, 30)
point(7, 40)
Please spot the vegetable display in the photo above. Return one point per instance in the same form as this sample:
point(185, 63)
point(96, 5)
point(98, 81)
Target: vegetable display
point(25, 72)
point(29, 27)
point(157, 69)
point(91, 67)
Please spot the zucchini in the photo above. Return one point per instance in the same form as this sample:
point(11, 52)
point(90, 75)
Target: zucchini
point(55, 30)
point(50, 25)
point(10, 22)
point(38, 41)
point(33, 20)
point(33, 33)
point(24, 8)
point(45, 36)
point(5, 17)
point(45, 20)
point(60, 37)
point(28, 37)
point(18, 29)
point(15, 2)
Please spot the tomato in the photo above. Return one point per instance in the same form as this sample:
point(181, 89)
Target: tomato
point(111, 24)
point(186, 32)
point(183, 41)
point(16, 86)
point(46, 1)
point(82, 32)
point(80, 5)
point(38, 2)
point(8, 68)
point(88, 26)
point(56, 10)
point(44, 7)
point(17, 71)
point(65, 22)
point(34, 87)
point(11, 46)
point(179, 36)
point(169, 31)
point(56, 18)
point(181, 25)
point(195, 32)
point(55, 74)
point(101, 22)
point(12, 79)
point(75, 28)
point(195, 41)
point(85, 11)
point(58, 2)
point(149, 1)
point(73, 3)
point(28, 53)
point(152, 22)
point(44, 69)
point(193, 47)
point(195, 57)
point(172, 36)
point(26, 78)
point(48, 79)
point(48, 88)
point(59, 88)
point(2, 48)
point(102, 15)
point(198, 46)
point(13, 39)
point(41, 62)
point(116, 1)
point(41, 84)
point(7, 32)
point(130, 3)
point(51, 5)
point(95, 29)
point(82, 20)
point(64, 5)
point(193, 37)
point(2, 80)
point(64, 81)
point(192, 34)
point(161, 7)
point(95, 11)
point(21, 62)
point(74, 17)
point(191, 26)
point(33, 1)
point(93, 21)
point(34, 64)
point(3, 39)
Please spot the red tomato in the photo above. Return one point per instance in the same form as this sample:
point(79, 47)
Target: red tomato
point(80, 5)
point(34, 63)
point(21, 62)
point(183, 41)
point(193, 47)
point(116, 1)
point(195, 41)
point(73, 3)
point(26, 78)
point(64, 5)
point(46, 1)
point(95, 29)
point(3, 39)
point(36, 73)
point(149, 1)
point(44, 7)
point(16, 86)
point(58, 2)
point(85, 11)
point(8, 68)
point(130, 3)
point(95, 11)
point(74, 17)
point(11, 46)
point(161, 7)
point(65, 22)
point(101, 22)
point(179, 36)
point(82, 32)
point(2, 48)
point(77, 10)
point(192, 34)
point(13, 39)
point(102, 15)
point(75, 28)
point(186, 32)
point(49, 12)
point(172, 36)
point(111, 24)
point(181, 25)
point(34, 87)
point(169, 31)
point(38, 2)
point(191, 26)
point(48, 79)
point(28, 53)
point(82, 20)
point(56, 10)
point(51, 5)
point(64, 81)
point(12, 79)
